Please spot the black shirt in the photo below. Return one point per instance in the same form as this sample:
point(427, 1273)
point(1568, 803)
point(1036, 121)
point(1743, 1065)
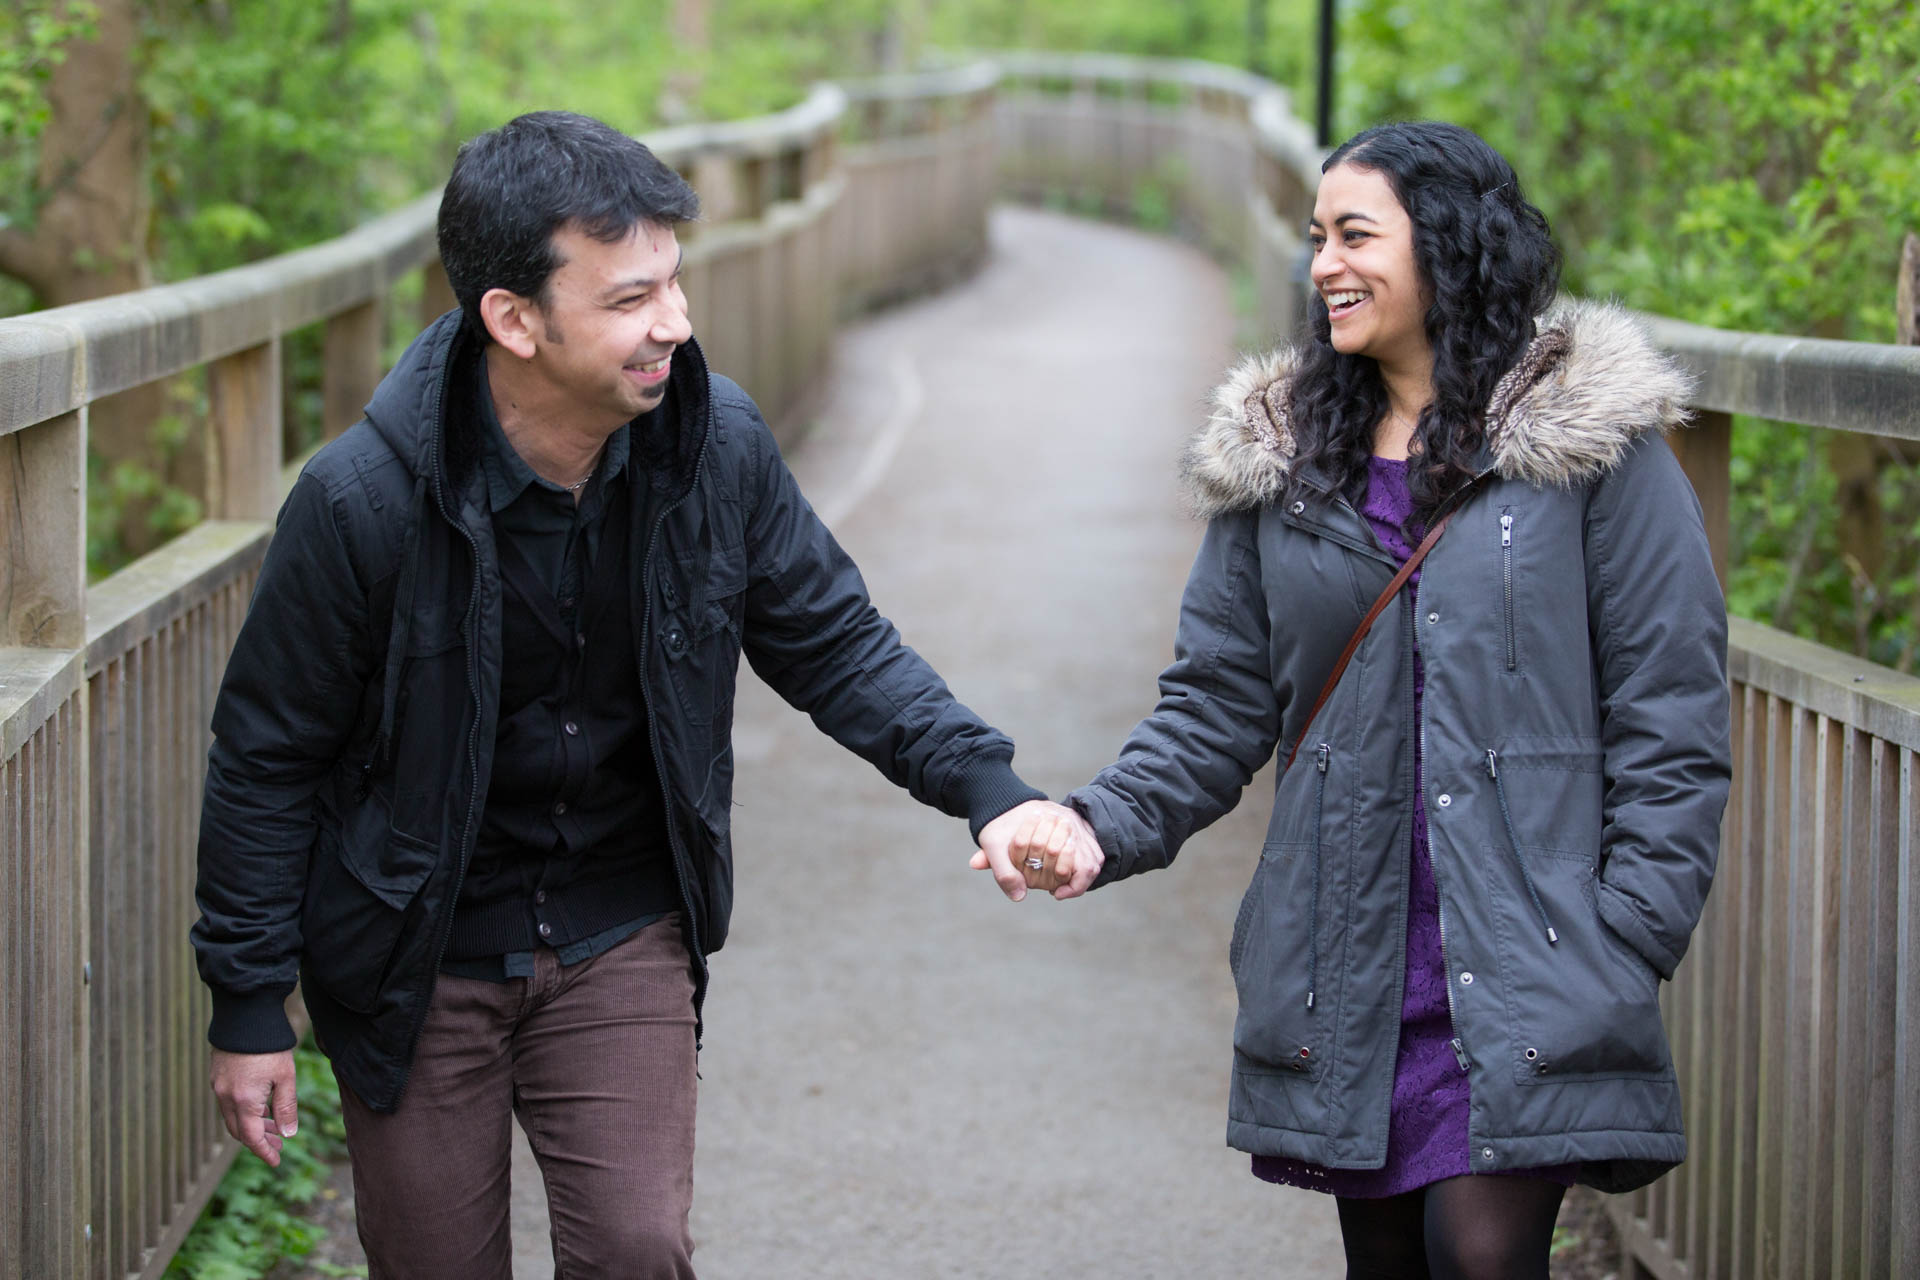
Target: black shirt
point(572, 848)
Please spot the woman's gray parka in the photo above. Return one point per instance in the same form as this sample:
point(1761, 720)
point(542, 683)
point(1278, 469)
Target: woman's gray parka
point(1575, 739)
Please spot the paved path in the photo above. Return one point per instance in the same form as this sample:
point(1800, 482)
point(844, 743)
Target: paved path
point(905, 1075)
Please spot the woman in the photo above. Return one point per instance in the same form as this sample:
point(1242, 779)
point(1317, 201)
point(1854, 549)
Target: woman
point(1496, 835)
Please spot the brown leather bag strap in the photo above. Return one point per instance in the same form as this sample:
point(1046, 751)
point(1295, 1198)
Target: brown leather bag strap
point(1366, 625)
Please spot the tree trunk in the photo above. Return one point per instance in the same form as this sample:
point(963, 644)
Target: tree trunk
point(680, 96)
point(90, 229)
point(89, 234)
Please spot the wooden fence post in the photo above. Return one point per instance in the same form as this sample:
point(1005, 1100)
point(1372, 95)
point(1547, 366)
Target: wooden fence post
point(243, 434)
point(1906, 294)
point(351, 365)
point(43, 510)
point(1705, 451)
point(436, 293)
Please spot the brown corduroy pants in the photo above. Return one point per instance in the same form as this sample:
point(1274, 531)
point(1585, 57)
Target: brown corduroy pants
point(597, 1061)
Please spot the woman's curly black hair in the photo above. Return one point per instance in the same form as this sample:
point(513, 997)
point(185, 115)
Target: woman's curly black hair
point(1489, 266)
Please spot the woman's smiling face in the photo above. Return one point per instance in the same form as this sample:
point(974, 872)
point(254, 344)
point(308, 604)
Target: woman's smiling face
point(1363, 268)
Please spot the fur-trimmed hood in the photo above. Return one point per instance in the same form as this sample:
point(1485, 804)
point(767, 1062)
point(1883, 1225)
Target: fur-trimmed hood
point(1589, 384)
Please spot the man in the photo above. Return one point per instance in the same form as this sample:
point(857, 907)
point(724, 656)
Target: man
point(471, 772)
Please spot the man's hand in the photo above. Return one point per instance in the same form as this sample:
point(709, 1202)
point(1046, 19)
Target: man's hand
point(255, 1092)
point(1040, 831)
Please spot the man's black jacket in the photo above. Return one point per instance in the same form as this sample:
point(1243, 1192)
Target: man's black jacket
point(354, 731)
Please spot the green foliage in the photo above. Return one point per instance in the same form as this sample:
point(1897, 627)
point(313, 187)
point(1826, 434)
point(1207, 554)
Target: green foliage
point(115, 488)
point(34, 37)
point(253, 1219)
point(36, 34)
point(1749, 166)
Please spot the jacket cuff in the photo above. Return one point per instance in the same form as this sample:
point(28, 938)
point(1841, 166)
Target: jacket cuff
point(1082, 803)
point(1618, 914)
point(987, 788)
point(250, 1022)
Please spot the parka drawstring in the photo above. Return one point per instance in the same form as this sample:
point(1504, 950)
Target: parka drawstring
point(1513, 842)
point(1323, 756)
point(381, 756)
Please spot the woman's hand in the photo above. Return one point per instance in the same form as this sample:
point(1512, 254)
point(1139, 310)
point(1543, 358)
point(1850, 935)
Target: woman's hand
point(1040, 845)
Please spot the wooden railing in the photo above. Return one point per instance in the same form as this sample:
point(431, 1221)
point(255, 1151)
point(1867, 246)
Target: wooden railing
point(109, 1144)
point(1796, 1017)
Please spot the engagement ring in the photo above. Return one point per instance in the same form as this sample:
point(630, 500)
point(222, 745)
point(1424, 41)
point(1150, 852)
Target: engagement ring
point(1034, 864)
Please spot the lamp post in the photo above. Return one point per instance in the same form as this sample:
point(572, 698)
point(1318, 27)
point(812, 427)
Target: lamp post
point(1323, 114)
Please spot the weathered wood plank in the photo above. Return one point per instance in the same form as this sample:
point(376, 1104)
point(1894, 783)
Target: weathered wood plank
point(243, 434)
point(1853, 989)
point(43, 514)
point(1705, 451)
point(351, 364)
point(1903, 1118)
point(1879, 700)
point(13, 1099)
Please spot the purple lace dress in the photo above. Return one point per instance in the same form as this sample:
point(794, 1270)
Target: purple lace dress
point(1427, 1126)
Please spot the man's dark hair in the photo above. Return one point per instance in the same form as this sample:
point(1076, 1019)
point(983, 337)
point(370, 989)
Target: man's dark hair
point(514, 187)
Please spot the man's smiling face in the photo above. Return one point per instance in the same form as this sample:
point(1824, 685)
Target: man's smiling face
point(611, 318)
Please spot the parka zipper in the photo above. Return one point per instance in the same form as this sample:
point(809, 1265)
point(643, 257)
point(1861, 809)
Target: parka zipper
point(1513, 842)
point(1506, 580)
point(1323, 756)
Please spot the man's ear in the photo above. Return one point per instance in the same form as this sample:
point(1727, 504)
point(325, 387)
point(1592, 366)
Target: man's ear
point(510, 320)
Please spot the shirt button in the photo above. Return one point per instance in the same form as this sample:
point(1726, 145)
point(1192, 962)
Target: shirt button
point(580, 638)
point(1433, 617)
point(559, 808)
point(546, 931)
point(1297, 507)
point(1466, 979)
point(540, 898)
point(573, 730)
point(1445, 800)
point(1486, 1153)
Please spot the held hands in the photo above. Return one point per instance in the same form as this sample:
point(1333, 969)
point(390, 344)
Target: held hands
point(1040, 845)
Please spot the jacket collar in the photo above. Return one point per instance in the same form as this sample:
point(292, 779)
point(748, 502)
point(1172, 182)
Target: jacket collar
point(1589, 384)
point(423, 409)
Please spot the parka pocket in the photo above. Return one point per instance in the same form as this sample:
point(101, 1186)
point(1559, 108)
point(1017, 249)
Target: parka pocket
point(1275, 1030)
point(1584, 1006)
point(356, 910)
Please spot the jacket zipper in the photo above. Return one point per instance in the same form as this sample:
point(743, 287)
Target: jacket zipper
point(1506, 579)
point(659, 762)
point(1513, 842)
point(680, 857)
point(473, 747)
point(1323, 756)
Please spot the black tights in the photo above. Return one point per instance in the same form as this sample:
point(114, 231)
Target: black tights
point(1472, 1228)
